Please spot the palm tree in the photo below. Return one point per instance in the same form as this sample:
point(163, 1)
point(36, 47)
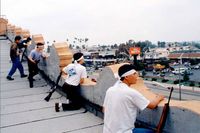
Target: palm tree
point(86, 39)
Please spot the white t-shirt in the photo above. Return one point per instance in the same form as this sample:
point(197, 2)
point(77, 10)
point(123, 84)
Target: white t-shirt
point(121, 104)
point(74, 73)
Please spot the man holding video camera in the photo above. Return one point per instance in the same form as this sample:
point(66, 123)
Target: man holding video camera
point(15, 58)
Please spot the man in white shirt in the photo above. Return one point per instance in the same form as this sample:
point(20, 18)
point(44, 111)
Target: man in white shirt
point(122, 103)
point(76, 73)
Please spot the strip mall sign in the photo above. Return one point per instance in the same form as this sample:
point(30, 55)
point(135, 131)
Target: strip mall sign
point(134, 50)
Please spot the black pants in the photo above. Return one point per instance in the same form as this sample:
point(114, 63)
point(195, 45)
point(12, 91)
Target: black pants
point(73, 94)
point(33, 70)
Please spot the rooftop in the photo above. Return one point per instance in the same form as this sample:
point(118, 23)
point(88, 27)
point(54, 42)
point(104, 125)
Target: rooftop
point(24, 109)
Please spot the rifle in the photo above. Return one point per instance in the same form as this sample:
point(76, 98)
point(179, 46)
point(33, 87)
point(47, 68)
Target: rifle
point(165, 111)
point(22, 45)
point(24, 54)
point(54, 87)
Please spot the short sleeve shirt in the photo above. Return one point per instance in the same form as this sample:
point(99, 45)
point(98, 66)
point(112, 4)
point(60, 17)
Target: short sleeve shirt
point(35, 55)
point(74, 73)
point(121, 104)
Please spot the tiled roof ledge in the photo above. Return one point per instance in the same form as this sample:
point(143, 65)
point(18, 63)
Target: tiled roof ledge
point(3, 25)
point(64, 53)
point(18, 31)
point(25, 33)
point(37, 38)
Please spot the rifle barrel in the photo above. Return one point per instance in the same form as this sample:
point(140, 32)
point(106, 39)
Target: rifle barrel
point(54, 87)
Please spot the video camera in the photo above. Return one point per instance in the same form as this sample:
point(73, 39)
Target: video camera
point(21, 44)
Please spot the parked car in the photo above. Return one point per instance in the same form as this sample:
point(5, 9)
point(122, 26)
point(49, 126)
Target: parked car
point(188, 72)
point(162, 75)
point(179, 70)
point(197, 67)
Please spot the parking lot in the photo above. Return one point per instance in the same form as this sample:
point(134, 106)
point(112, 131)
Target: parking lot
point(169, 75)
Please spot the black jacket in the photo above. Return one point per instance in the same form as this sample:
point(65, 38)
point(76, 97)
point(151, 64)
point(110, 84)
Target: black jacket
point(14, 51)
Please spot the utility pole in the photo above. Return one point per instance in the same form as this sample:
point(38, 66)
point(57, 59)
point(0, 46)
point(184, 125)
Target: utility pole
point(179, 76)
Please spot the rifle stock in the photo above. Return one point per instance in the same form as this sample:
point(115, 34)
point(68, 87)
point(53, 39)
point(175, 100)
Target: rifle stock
point(47, 98)
point(163, 117)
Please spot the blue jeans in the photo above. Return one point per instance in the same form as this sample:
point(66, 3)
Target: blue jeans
point(16, 64)
point(142, 130)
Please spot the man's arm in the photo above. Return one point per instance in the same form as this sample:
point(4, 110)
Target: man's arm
point(153, 103)
point(83, 76)
point(103, 109)
point(30, 59)
point(63, 70)
point(44, 55)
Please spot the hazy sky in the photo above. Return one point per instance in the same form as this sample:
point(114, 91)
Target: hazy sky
point(107, 21)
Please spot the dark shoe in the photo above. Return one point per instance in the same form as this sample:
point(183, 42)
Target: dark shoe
point(31, 85)
point(57, 108)
point(9, 78)
point(23, 76)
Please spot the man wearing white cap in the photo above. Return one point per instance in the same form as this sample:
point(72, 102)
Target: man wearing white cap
point(76, 73)
point(121, 103)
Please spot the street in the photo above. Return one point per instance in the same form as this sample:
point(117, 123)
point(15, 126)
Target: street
point(193, 77)
point(186, 94)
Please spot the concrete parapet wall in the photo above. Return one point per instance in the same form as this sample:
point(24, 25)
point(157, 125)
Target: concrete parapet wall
point(60, 56)
point(105, 80)
point(184, 116)
point(3, 26)
point(107, 77)
point(95, 92)
point(179, 120)
point(50, 66)
point(10, 32)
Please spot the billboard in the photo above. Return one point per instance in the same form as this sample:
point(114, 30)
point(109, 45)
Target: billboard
point(134, 50)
